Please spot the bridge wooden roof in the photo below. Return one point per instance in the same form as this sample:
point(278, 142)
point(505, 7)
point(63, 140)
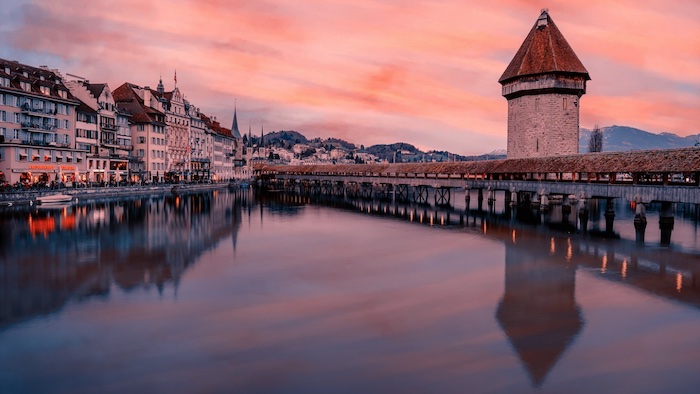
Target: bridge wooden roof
point(667, 160)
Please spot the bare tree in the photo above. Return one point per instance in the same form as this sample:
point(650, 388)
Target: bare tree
point(595, 144)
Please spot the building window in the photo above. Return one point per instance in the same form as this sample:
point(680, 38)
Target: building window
point(564, 102)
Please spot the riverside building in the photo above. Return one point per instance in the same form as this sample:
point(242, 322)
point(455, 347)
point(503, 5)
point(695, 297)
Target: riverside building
point(148, 127)
point(103, 131)
point(37, 127)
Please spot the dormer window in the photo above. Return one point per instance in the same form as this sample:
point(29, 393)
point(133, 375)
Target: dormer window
point(25, 86)
point(45, 90)
point(26, 74)
point(62, 93)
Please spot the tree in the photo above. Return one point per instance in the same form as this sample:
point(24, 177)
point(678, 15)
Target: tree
point(595, 144)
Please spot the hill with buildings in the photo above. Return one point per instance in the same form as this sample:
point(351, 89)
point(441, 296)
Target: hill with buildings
point(293, 146)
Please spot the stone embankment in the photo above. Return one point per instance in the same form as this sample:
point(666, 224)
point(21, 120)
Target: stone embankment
point(28, 197)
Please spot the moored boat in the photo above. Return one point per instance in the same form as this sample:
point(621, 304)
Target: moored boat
point(54, 199)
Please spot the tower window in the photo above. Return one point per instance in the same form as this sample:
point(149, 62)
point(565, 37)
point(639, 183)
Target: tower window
point(564, 102)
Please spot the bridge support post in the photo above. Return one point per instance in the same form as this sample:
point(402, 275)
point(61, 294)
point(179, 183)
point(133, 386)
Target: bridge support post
point(544, 200)
point(640, 221)
point(609, 216)
point(513, 197)
point(583, 214)
point(507, 199)
point(467, 198)
point(566, 206)
point(666, 221)
point(480, 200)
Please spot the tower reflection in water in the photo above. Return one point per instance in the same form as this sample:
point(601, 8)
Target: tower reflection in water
point(538, 311)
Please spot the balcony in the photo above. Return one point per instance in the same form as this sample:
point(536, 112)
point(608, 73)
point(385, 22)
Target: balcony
point(116, 144)
point(32, 126)
point(109, 127)
point(26, 109)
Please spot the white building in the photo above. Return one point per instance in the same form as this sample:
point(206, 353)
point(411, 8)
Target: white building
point(147, 130)
point(37, 126)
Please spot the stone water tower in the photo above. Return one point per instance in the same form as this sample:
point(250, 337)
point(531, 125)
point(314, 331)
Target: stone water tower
point(543, 85)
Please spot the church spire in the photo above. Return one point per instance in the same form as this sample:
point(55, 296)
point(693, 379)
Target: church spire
point(161, 88)
point(234, 127)
point(262, 134)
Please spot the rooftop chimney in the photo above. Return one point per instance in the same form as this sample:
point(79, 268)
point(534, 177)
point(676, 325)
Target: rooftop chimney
point(147, 96)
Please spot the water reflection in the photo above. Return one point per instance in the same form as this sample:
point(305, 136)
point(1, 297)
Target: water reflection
point(538, 311)
point(73, 252)
point(406, 297)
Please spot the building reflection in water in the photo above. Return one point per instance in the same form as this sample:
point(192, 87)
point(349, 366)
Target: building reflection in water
point(49, 256)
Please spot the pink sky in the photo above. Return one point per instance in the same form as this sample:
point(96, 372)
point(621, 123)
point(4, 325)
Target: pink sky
point(424, 72)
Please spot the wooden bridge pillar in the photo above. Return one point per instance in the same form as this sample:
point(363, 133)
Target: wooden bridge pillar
point(666, 222)
point(490, 197)
point(640, 221)
point(420, 194)
point(544, 200)
point(442, 196)
point(467, 197)
point(583, 213)
point(480, 199)
point(609, 216)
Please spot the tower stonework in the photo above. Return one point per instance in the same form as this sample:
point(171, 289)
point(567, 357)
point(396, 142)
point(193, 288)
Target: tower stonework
point(543, 85)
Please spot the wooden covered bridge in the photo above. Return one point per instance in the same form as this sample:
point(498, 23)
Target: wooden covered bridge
point(665, 176)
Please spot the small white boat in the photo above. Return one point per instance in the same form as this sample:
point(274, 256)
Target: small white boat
point(54, 199)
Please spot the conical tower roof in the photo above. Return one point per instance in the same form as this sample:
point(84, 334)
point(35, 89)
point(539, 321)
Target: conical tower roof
point(544, 51)
point(234, 127)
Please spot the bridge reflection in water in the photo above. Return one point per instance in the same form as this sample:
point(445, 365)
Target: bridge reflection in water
point(538, 311)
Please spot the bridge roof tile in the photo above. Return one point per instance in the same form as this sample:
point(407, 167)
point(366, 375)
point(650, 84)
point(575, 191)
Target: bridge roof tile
point(666, 160)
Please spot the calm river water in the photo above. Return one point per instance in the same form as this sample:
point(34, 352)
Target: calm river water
point(229, 292)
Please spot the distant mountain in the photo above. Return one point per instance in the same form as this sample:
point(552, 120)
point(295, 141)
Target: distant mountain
point(623, 138)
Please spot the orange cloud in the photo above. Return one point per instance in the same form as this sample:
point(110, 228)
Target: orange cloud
point(421, 72)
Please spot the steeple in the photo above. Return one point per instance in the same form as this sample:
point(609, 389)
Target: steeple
point(160, 88)
point(250, 136)
point(234, 127)
point(262, 134)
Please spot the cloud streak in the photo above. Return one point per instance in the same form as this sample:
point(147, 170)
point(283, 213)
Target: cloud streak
point(372, 71)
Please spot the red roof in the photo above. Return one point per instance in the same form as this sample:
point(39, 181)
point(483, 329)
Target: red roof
point(544, 51)
point(127, 99)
